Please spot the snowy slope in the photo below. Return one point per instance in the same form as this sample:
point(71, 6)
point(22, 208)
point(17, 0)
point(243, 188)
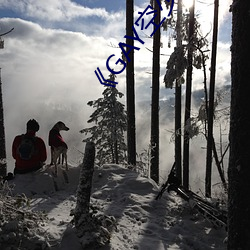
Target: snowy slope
point(141, 221)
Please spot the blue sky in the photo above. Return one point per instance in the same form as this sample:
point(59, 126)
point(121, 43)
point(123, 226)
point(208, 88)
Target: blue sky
point(109, 5)
point(49, 59)
point(66, 12)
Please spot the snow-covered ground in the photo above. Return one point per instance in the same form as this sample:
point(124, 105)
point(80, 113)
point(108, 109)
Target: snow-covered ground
point(141, 221)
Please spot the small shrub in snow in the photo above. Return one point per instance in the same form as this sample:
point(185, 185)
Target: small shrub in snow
point(20, 228)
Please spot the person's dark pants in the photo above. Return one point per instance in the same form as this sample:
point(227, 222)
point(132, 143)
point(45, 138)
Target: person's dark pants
point(25, 171)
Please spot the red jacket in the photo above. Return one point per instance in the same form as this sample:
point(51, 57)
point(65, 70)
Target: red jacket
point(37, 159)
point(55, 139)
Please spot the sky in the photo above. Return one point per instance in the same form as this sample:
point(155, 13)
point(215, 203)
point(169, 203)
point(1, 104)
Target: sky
point(49, 60)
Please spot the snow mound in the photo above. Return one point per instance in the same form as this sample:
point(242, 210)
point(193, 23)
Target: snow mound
point(141, 221)
point(42, 182)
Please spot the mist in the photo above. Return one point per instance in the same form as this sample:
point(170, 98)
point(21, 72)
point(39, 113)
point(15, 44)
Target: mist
point(48, 75)
point(45, 76)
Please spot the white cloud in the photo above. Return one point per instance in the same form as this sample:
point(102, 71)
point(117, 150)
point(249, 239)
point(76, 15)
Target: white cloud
point(58, 60)
point(46, 71)
point(205, 12)
point(54, 10)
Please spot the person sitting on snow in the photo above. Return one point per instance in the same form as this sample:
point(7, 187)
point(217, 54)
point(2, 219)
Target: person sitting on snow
point(28, 150)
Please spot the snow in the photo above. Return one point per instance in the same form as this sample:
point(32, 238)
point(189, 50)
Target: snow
point(142, 222)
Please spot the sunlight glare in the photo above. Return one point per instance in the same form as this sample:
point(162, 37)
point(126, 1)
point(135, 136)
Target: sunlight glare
point(187, 3)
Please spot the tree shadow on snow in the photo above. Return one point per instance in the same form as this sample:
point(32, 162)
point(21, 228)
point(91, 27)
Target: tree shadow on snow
point(131, 200)
point(162, 224)
point(177, 227)
point(39, 187)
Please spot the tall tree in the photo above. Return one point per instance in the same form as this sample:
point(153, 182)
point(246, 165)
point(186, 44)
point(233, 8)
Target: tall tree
point(188, 96)
point(210, 139)
point(178, 155)
point(154, 168)
point(130, 83)
point(110, 125)
point(176, 66)
point(3, 162)
point(239, 159)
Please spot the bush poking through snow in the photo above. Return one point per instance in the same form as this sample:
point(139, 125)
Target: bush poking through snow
point(95, 230)
point(20, 228)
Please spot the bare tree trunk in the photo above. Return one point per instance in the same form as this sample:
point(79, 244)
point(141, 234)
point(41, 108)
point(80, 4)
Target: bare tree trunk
point(154, 168)
point(211, 102)
point(130, 82)
point(218, 164)
point(3, 161)
point(81, 215)
point(93, 231)
point(188, 98)
point(239, 159)
point(115, 141)
point(116, 152)
point(178, 160)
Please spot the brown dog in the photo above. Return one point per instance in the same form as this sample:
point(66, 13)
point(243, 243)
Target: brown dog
point(57, 145)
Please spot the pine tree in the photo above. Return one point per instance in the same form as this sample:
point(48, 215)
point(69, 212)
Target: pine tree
point(110, 120)
point(187, 111)
point(130, 86)
point(3, 164)
point(3, 161)
point(154, 167)
point(210, 139)
point(189, 52)
point(238, 170)
point(178, 93)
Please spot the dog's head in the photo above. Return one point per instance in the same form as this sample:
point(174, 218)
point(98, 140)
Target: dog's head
point(61, 126)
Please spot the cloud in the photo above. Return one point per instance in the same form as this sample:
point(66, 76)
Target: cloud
point(49, 74)
point(58, 56)
point(56, 10)
point(48, 71)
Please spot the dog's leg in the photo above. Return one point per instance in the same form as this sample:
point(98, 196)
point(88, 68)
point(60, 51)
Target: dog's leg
point(63, 157)
point(56, 170)
point(55, 158)
point(59, 159)
point(51, 155)
point(66, 161)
